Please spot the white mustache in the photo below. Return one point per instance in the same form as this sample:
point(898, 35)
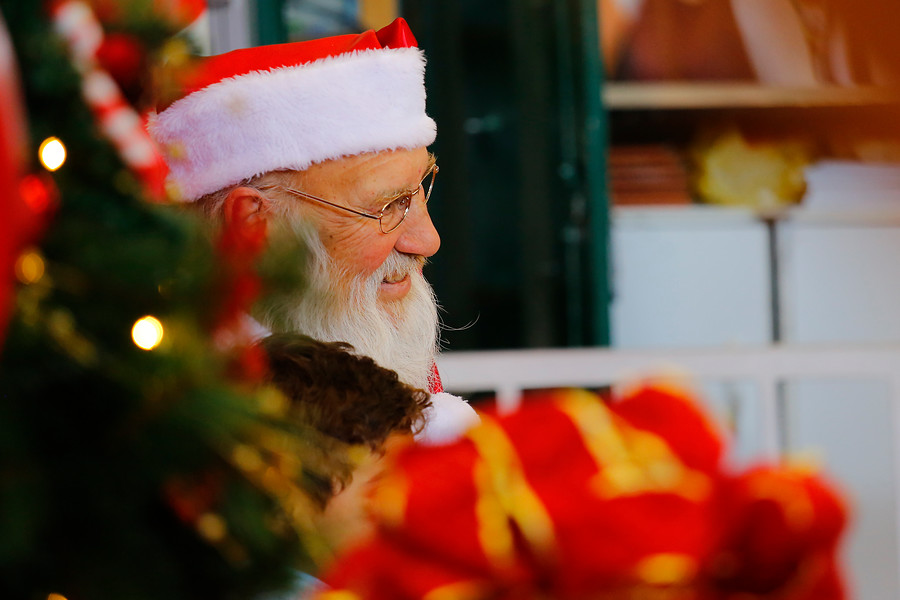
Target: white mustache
point(397, 266)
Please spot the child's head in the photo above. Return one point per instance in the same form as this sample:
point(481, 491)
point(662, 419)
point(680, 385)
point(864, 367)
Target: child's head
point(350, 398)
point(342, 394)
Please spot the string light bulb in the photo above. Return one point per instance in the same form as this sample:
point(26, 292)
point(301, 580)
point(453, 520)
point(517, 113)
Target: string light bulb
point(212, 527)
point(52, 153)
point(147, 333)
point(29, 267)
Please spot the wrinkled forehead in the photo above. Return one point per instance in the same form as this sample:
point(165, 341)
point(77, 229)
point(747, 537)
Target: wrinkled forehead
point(368, 176)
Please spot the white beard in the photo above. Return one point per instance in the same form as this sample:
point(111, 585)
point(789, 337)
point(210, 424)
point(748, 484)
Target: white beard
point(333, 307)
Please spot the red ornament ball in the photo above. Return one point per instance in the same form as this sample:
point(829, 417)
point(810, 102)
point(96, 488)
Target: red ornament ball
point(125, 59)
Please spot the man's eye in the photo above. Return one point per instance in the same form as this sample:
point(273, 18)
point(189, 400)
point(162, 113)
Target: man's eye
point(399, 205)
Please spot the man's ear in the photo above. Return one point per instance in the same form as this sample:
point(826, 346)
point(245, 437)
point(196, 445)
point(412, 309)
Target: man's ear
point(245, 213)
point(245, 205)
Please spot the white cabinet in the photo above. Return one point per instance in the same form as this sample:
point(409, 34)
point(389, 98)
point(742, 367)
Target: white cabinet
point(840, 282)
point(702, 277)
point(689, 277)
point(847, 426)
point(840, 279)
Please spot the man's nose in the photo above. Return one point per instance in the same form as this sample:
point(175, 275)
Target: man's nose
point(418, 236)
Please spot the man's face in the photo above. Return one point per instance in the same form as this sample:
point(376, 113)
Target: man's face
point(364, 183)
point(364, 287)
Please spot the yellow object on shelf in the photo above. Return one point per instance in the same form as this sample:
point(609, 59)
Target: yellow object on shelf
point(766, 174)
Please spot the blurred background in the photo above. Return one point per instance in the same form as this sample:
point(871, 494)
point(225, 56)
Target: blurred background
point(712, 185)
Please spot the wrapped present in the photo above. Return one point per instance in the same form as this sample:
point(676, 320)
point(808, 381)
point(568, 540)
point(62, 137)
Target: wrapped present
point(573, 497)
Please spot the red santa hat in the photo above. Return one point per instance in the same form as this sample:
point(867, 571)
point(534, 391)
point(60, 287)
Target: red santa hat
point(288, 106)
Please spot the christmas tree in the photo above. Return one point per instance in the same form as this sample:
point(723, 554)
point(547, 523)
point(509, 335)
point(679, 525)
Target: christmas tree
point(137, 458)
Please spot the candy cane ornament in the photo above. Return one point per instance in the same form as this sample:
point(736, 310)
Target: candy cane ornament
point(75, 22)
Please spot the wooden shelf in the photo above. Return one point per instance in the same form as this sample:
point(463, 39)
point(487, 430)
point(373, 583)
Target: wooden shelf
point(718, 216)
point(738, 95)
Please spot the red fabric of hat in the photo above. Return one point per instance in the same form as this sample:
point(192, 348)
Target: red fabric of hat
point(246, 60)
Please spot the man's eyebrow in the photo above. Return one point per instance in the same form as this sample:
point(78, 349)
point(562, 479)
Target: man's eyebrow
point(393, 195)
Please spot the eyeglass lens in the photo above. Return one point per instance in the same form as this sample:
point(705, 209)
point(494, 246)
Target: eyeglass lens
point(394, 212)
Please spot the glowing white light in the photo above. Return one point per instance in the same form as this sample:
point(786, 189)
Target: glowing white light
point(147, 333)
point(52, 153)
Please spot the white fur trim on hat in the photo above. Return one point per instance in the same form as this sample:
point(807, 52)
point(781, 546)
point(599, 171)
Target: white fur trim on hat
point(292, 117)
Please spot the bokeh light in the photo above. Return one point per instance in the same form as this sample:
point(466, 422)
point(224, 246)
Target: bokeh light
point(29, 267)
point(212, 527)
point(52, 153)
point(147, 333)
point(38, 192)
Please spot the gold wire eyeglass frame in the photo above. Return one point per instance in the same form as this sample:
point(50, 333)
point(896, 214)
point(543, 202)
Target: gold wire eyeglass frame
point(398, 205)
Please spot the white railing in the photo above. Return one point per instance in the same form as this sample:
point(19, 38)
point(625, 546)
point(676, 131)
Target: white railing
point(509, 373)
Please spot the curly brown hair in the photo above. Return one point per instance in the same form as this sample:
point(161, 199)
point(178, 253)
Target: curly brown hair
point(343, 395)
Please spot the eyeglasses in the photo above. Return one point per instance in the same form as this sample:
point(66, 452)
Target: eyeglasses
point(391, 214)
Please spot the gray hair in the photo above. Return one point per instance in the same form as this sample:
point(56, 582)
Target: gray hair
point(210, 205)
